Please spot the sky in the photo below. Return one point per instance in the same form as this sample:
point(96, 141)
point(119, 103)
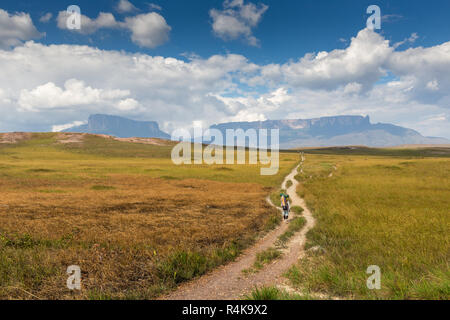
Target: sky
point(214, 61)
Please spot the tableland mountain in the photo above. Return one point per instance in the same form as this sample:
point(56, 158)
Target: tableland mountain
point(120, 127)
point(318, 132)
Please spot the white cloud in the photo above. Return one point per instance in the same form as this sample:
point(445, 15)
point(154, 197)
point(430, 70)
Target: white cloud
point(46, 17)
point(125, 6)
point(176, 92)
point(428, 70)
point(237, 20)
point(362, 61)
point(148, 30)
point(352, 88)
point(16, 28)
point(88, 26)
point(433, 85)
point(61, 127)
point(127, 104)
point(412, 38)
point(154, 6)
point(75, 93)
point(389, 103)
point(164, 89)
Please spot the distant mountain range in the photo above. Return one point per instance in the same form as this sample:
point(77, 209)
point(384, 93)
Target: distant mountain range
point(120, 127)
point(319, 132)
point(336, 131)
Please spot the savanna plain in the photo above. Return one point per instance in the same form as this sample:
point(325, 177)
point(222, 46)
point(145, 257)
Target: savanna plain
point(138, 226)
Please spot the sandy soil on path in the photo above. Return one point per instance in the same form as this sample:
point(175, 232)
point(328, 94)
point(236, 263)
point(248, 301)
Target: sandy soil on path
point(229, 282)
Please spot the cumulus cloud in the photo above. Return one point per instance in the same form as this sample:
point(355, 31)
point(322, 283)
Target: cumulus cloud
point(88, 26)
point(147, 30)
point(237, 20)
point(427, 69)
point(125, 6)
point(16, 28)
point(390, 103)
point(75, 93)
point(128, 104)
point(134, 85)
point(223, 88)
point(362, 62)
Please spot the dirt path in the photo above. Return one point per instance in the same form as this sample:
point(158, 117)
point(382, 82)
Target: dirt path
point(228, 282)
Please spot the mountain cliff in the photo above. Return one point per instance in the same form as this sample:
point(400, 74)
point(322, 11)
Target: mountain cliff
point(319, 132)
point(335, 131)
point(120, 127)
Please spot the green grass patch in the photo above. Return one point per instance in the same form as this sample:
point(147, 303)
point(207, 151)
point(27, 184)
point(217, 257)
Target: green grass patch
point(263, 258)
point(273, 293)
point(52, 191)
point(272, 222)
point(266, 257)
point(295, 225)
point(40, 170)
point(186, 265)
point(382, 211)
point(297, 210)
point(102, 188)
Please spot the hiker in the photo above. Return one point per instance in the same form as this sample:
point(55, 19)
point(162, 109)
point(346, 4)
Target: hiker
point(285, 205)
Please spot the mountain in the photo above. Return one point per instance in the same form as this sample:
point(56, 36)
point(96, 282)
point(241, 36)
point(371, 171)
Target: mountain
point(120, 127)
point(319, 132)
point(335, 131)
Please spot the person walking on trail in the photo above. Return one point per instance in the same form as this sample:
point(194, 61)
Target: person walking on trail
point(285, 205)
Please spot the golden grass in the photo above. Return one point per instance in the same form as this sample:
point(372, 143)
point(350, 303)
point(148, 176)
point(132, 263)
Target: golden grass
point(110, 233)
point(136, 224)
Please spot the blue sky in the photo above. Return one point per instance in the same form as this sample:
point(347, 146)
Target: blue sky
point(289, 29)
point(225, 60)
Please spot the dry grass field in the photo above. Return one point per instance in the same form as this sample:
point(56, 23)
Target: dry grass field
point(373, 209)
point(136, 224)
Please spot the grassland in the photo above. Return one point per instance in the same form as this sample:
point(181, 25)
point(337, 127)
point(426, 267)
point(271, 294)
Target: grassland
point(136, 224)
point(294, 226)
point(392, 211)
point(424, 152)
point(262, 258)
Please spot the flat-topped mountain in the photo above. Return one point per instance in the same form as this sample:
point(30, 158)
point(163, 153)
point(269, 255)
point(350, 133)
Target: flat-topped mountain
point(120, 127)
point(319, 132)
point(336, 131)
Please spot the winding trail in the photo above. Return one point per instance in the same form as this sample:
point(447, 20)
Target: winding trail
point(229, 282)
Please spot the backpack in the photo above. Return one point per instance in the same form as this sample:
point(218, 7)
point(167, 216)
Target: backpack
point(284, 202)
